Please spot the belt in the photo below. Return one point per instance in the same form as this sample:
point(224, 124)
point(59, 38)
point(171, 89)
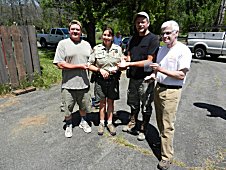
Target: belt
point(110, 78)
point(169, 86)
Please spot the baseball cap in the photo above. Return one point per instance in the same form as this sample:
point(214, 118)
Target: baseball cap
point(142, 14)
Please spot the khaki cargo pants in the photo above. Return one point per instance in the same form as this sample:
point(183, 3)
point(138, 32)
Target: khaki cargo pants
point(166, 103)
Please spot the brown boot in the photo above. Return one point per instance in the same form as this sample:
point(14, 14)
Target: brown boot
point(131, 124)
point(101, 129)
point(111, 129)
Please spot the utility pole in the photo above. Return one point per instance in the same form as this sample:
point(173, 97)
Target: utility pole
point(220, 16)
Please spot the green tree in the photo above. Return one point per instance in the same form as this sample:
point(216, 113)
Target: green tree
point(196, 15)
point(89, 12)
point(19, 12)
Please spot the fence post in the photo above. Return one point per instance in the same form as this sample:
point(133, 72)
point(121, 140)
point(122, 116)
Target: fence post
point(4, 78)
point(27, 53)
point(11, 64)
point(18, 52)
point(33, 47)
point(18, 55)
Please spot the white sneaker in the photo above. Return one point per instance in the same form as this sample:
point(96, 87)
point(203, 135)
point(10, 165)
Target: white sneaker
point(141, 136)
point(85, 126)
point(68, 131)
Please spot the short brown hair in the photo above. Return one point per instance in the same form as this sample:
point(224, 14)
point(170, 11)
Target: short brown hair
point(75, 22)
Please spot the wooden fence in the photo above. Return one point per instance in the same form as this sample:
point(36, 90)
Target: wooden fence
point(19, 58)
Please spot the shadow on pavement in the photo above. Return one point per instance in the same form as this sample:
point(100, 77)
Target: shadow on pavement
point(152, 134)
point(121, 115)
point(154, 141)
point(220, 59)
point(215, 111)
point(91, 117)
point(195, 61)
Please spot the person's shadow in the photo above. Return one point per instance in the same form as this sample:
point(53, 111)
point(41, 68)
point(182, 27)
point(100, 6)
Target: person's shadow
point(91, 117)
point(154, 141)
point(215, 111)
point(121, 115)
point(151, 136)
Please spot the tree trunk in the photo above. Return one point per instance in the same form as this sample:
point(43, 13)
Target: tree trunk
point(220, 16)
point(91, 37)
point(60, 17)
point(166, 10)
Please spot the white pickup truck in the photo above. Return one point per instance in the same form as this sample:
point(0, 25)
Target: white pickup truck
point(207, 43)
point(54, 36)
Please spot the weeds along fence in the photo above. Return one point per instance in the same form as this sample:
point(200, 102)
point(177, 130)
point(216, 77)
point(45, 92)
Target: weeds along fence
point(19, 58)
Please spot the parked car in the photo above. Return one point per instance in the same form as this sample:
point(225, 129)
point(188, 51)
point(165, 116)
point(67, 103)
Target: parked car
point(54, 36)
point(203, 43)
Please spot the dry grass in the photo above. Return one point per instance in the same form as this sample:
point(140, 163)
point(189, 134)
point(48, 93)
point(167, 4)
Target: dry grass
point(29, 122)
point(11, 102)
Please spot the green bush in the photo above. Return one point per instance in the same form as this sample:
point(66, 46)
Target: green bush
point(50, 74)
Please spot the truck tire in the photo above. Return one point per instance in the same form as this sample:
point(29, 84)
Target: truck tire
point(43, 43)
point(200, 53)
point(214, 55)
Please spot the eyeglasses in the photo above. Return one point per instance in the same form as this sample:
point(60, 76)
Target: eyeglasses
point(167, 33)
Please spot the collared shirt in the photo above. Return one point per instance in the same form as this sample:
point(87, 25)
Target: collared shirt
point(103, 58)
point(176, 58)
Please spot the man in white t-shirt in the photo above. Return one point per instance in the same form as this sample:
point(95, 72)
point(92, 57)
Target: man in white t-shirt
point(172, 64)
point(72, 56)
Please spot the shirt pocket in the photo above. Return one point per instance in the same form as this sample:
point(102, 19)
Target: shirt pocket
point(100, 58)
point(116, 58)
point(172, 64)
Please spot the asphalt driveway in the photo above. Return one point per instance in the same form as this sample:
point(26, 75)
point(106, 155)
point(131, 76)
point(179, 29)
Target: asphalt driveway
point(32, 134)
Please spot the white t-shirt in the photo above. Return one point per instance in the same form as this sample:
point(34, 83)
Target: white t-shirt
point(74, 53)
point(176, 58)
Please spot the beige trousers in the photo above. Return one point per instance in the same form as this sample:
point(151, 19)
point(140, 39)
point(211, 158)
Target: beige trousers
point(166, 103)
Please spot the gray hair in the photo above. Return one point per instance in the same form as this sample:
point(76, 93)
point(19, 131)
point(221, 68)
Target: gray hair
point(172, 24)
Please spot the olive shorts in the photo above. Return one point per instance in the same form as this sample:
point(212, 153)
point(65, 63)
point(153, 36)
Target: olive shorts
point(107, 89)
point(70, 97)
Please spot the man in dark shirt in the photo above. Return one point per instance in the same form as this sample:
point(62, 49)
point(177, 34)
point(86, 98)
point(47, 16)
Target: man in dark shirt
point(142, 50)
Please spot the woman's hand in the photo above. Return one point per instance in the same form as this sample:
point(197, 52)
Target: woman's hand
point(104, 73)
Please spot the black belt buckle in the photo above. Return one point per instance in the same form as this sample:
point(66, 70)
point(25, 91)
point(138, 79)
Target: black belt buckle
point(169, 86)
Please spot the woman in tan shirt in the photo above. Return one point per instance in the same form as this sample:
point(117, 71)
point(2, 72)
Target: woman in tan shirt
point(103, 62)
